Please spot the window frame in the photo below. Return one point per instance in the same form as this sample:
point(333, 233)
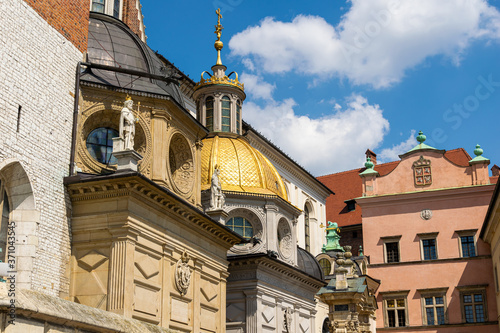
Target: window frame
point(434, 292)
point(322, 267)
point(388, 240)
point(251, 227)
point(307, 228)
point(210, 126)
point(395, 295)
point(109, 7)
point(428, 236)
point(225, 127)
point(467, 233)
point(473, 290)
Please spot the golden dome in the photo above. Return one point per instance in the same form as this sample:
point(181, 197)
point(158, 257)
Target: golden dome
point(242, 168)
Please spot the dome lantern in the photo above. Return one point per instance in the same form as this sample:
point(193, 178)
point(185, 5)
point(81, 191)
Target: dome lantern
point(219, 98)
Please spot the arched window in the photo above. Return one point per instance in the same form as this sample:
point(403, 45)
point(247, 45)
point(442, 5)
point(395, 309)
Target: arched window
point(326, 266)
point(241, 226)
point(4, 221)
point(100, 144)
point(306, 229)
point(209, 119)
point(326, 326)
point(226, 114)
point(238, 117)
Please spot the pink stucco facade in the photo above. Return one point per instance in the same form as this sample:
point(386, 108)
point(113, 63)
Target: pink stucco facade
point(400, 216)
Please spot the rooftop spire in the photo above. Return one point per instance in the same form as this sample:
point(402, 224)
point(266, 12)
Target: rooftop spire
point(218, 30)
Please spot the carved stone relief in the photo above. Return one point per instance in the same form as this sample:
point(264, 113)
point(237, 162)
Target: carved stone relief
point(287, 320)
point(181, 164)
point(182, 274)
point(285, 238)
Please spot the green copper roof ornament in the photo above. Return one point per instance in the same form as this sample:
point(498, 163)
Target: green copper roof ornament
point(332, 238)
point(478, 151)
point(421, 137)
point(369, 168)
point(479, 156)
point(421, 145)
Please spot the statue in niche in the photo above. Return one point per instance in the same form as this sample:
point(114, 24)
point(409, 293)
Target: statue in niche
point(127, 124)
point(217, 198)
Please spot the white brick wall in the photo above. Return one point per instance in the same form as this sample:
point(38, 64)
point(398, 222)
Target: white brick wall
point(37, 71)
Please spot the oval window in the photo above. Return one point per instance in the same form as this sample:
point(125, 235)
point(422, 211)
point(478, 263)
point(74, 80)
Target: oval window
point(181, 164)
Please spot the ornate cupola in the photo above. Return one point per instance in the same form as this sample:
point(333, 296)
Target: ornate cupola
point(219, 98)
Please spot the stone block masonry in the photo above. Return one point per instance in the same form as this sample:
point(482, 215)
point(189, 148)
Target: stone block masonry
point(41, 43)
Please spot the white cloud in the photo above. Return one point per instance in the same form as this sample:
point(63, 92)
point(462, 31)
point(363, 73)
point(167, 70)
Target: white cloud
point(256, 86)
point(375, 42)
point(392, 154)
point(323, 145)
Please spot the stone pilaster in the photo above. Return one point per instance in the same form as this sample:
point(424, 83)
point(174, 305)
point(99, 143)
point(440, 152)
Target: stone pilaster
point(121, 282)
point(253, 324)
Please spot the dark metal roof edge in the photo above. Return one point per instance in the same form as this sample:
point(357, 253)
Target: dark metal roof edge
point(267, 256)
point(90, 178)
point(250, 128)
point(166, 96)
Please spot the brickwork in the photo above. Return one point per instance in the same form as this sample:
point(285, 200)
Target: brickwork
point(70, 18)
point(131, 15)
point(37, 81)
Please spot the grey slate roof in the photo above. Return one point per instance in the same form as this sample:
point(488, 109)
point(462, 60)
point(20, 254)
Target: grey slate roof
point(112, 43)
point(308, 264)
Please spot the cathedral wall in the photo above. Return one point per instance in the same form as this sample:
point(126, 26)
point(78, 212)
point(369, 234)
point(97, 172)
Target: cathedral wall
point(36, 103)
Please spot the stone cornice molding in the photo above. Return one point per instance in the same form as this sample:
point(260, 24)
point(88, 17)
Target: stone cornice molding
point(427, 196)
point(133, 185)
point(262, 261)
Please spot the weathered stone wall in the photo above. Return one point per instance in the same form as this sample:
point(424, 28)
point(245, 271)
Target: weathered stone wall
point(37, 74)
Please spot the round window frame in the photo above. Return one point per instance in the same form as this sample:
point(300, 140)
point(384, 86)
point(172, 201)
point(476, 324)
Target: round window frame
point(111, 154)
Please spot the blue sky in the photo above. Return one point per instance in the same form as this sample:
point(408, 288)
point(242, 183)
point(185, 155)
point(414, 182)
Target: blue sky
point(325, 80)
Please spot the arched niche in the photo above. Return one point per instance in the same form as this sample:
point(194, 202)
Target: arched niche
point(23, 217)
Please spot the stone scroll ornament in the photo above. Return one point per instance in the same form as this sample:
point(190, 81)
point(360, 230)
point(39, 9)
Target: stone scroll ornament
point(287, 320)
point(183, 274)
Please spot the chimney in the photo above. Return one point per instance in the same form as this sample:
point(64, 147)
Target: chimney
point(495, 170)
point(372, 156)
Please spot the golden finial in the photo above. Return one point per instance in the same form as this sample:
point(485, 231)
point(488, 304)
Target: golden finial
point(218, 30)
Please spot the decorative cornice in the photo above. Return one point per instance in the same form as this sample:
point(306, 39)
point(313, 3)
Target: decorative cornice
point(213, 80)
point(288, 271)
point(101, 187)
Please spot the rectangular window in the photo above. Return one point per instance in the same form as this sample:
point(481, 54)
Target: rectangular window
point(473, 301)
point(98, 6)
point(429, 249)
point(395, 311)
point(116, 9)
point(468, 246)
point(467, 243)
point(392, 251)
point(434, 310)
point(226, 114)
